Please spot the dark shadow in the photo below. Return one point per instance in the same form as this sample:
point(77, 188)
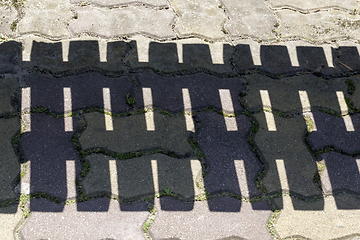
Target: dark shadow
point(221, 149)
point(48, 147)
point(10, 56)
point(275, 60)
point(347, 59)
point(243, 59)
point(313, 59)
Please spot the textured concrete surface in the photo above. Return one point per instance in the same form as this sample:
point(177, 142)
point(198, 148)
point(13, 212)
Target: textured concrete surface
point(217, 113)
point(202, 223)
point(72, 224)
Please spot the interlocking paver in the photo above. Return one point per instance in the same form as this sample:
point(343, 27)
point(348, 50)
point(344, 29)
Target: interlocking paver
point(203, 91)
point(48, 147)
point(86, 91)
point(315, 5)
point(57, 15)
point(332, 133)
point(8, 17)
point(131, 135)
point(119, 22)
point(10, 218)
point(331, 223)
point(319, 26)
point(199, 18)
point(135, 177)
point(249, 18)
point(201, 223)
point(221, 149)
point(73, 224)
point(286, 143)
point(284, 93)
point(115, 3)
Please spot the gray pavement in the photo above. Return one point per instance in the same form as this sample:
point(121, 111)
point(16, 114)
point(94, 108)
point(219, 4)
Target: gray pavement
point(154, 119)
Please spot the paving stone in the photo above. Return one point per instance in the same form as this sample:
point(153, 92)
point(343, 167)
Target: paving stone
point(8, 17)
point(284, 93)
point(200, 223)
point(343, 172)
point(135, 177)
point(8, 88)
point(111, 23)
point(332, 24)
point(314, 5)
point(131, 135)
point(10, 217)
point(117, 3)
point(286, 143)
point(72, 224)
point(249, 18)
point(10, 165)
point(199, 18)
point(86, 91)
point(203, 90)
point(48, 147)
point(10, 56)
point(331, 223)
point(331, 131)
point(221, 148)
point(56, 15)
point(163, 57)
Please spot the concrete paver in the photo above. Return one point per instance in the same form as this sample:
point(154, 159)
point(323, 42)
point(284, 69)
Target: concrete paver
point(249, 18)
point(173, 174)
point(73, 224)
point(315, 5)
point(111, 23)
point(10, 218)
point(48, 147)
point(116, 3)
point(202, 223)
point(290, 147)
point(332, 24)
point(56, 14)
point(8, 17)
point(284, 93)
point(222, 149)
point(131, 135)
point(199, 18)
point(333, 133)
point(203, 90)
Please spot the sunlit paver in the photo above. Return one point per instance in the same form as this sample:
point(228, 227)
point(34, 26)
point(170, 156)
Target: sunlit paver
point(328, 223)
